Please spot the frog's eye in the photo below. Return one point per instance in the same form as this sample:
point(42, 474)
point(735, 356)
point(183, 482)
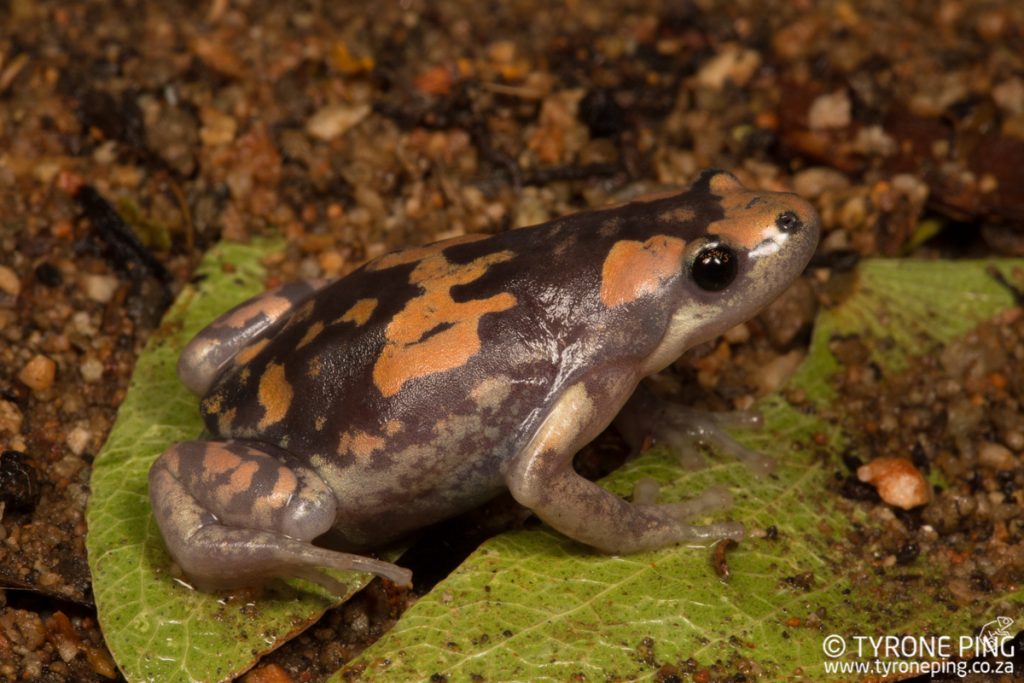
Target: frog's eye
point(788, 221)
point(714, 269)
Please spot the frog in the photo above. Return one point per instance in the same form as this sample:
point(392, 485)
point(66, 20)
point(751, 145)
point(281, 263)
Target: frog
point(430, 380)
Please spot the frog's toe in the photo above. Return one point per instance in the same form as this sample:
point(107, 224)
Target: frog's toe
point(712, 500)
point(684, 430)
point(714, 532)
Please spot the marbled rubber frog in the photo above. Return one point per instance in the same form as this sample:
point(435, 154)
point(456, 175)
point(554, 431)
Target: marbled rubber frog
point(429, 380)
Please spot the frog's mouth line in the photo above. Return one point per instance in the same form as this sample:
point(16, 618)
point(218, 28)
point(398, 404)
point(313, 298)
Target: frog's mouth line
point(766, 247)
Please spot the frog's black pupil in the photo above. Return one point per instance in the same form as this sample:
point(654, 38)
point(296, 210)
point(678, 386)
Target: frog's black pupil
point(788, 222)
point(714, 269)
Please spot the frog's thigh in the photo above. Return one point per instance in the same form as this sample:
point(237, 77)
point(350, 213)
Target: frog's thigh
point(242, 326)
point(542, 478)
point(234, 513)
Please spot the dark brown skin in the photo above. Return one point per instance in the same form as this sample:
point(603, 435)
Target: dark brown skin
point(429, 380)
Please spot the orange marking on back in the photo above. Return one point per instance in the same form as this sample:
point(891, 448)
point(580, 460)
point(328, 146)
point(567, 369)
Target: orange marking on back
point(311, 334)
point(212, 404)
point(269, 305)
point(275, 395)
point(634, 269)
point(250, 351)
point(680, 214)
point(360, 444)
point(218, 460)
point(303, 313)
point(277, 498)
point(359, 313)
point(725, 183)
point(400, 258)
point(747, 223)
point(287, 483)
point(224, 421)
point(241, 478)
point(407, 355)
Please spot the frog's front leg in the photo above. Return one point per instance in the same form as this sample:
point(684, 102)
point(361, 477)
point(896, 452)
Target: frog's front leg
point(235, 513)
point(542, 478)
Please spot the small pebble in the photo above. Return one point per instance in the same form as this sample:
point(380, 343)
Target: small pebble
point(830, 111)
point(218, 128)
point(173, 136)
point(83, 324)
point(100, 288)
point(9, 282)
point(269, 673)
point(502, 51)
point(737, 334)
point(78, 439)
point(331, 262)
point(10, 418)
point(91, 369)
point(773, 374)
point(898, 482)
point(996, 456)
point(38, 373)
point(334, 119)
point(812, 182)
point(1015, 440)
point(734, 65)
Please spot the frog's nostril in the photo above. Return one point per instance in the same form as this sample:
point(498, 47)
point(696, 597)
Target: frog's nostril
point(788, 221)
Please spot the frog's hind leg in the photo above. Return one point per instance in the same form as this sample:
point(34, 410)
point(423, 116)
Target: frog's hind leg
point(236, 513)
point(242, 326)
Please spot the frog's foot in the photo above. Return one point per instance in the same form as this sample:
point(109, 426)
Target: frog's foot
point(244, 325)
point(684, 430)
point(711, 500)
point(586, 512)
point(235, 514)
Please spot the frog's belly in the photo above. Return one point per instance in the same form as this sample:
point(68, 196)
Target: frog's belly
point(411, 485)
point(410, 489)
point(408, 464)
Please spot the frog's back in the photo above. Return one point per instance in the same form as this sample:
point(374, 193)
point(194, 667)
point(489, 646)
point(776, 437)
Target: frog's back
point(460, 346)
point(436, 329)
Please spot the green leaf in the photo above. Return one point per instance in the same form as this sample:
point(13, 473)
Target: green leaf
point(157, 628)
point(533, 605)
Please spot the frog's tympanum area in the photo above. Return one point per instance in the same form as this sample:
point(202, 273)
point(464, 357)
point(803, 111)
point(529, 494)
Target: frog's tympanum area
point(429, 380)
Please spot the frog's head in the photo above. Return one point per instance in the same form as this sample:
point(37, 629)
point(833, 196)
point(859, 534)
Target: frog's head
point(757, 244)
